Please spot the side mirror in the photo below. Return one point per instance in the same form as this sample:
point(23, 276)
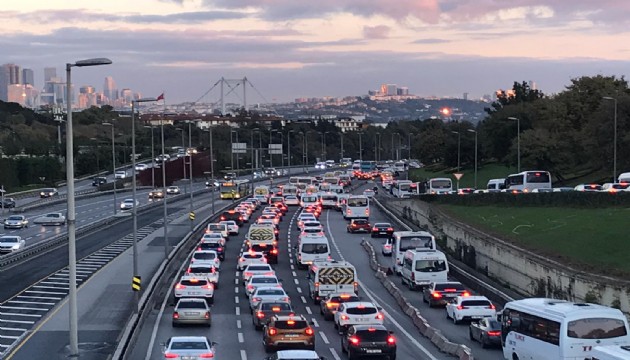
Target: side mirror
point(379, 308)
point(212, 343)
point(391, 333)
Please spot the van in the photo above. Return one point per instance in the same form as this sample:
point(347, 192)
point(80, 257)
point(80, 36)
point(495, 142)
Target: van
point(495, 185)
point(624, 177)
point(421, 267)
point(610, 352)
point(309, 200)
point(312, 247)
point(328, 200)
point(326, 277)
point(261, 234)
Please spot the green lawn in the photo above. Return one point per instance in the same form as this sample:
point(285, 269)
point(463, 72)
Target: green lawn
point(484, 173)
point(590, 239)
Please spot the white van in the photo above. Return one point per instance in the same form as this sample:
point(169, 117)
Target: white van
point(422, 267)
point(312, 247)
point(624, 177)
point(309, 199)
point(325, 277)
point(356, 207)
point(495, 185)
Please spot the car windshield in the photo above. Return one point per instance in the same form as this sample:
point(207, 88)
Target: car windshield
point(209, 246)
point(341, 299)
point(258, 268)
point(217, 227)
point(373, 335)
point(53, 215)
point(314, 248)
point(252, 256)
point(202, 269)
point(382, 225)
point(415, 242)
point(360, 222)
point(596, 328)
point(9, 240)
point(191, 305)
point(205, 255)
point(188, 345)
point(430, 265)
point(290, 324)
point(275, 307)
point(357, 202)
point(449, 286)
point(476, 303)
point(14, 217)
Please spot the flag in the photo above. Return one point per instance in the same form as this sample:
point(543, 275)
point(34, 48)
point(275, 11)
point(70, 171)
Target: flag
point(161, 97)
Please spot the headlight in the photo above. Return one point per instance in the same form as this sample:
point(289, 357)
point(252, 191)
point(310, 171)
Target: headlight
point(42, 193)
point(15, 247)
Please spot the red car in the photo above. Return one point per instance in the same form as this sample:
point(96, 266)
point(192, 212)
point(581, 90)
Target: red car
point(357, 225)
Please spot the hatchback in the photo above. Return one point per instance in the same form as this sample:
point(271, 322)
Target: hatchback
point(266, 309)
point(359, 225)
point(357, 313)
point(191, 286)
point(369, 341)
point(288, 331)
point(189, 347)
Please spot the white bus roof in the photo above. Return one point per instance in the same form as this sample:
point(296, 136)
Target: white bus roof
point(562, 309)
point(412, 233)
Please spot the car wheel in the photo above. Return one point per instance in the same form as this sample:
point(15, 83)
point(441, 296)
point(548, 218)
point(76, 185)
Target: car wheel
point(484, 344)
point(328, 317)
point(343, 349)
point(470, 335)
point(392, 357)
point(258, 327)
point(455, 321)
point(336, 326)
point(268, 349)
point(412, 287)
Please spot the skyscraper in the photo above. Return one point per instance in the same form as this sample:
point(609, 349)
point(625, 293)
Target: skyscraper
point(49, 73)
point(28, 77)
point(109, 89)
point(9, 74)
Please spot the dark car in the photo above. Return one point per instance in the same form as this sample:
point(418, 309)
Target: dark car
point(382, 230)
point(369, 341)
point(99, 180)
point(270, 251)
point(214, 246)
point(232, 215)
point(358, 225)
point(439, 293)
point(48, 192)
point(7, 203)
point(487, 331)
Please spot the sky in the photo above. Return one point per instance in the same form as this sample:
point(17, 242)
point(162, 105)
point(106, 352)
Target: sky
point(301, 48)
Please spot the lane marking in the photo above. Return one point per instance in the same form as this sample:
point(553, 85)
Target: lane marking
point(243, 355)
point(294, 274)
point(324, 338)
point(296, 281)
point(334, 354)
point(308, 310)
point(315, 323)
point(240, 338)
point(238, 311)
point(299, 290)
point(303, 299)
point(238, 324)
point(236, 299)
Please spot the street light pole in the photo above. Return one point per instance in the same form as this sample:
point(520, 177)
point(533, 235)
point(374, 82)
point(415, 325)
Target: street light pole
point(71, 218)
point(614, 179)
point(459, 142)
point(113, 163)
point(518, 143)
point(152, 158)
point(190, 170)
point(360, 146)
point(475, 131)
point(185, 152)
point(212, 168)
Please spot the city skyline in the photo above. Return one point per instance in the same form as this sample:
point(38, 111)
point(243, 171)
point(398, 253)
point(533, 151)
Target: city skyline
point(336, 48)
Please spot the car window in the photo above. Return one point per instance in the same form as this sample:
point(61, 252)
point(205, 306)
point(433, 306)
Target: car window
point(454, 286)
point(9, 239)
point(191, 305)
point(476, 303)
point(202, 269)
point(188, 345)
point(269, 292)
point(344, 298)
point(14, 217)
point(264, 280)
point(361, 311)
point(194, 282)
point(290, 324)
point(373, 335)
point(257, 268)
point(276, 306)
point(204, 255)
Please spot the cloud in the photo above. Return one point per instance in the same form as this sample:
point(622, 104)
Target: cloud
point(376, 32)
point(431, 41)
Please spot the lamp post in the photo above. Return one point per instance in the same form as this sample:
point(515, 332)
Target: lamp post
point(185, 152)
point(360, 146)
point(133, 191)
point(459, 143)
point(341, 139)
point(190, 156)
point(475, 132)
point(113, 163)
point(614, 179)
point(212, 167)
point(231, 150)
point(152, 157)
point(165, 200)
point(254, 153)
point(289, 149)
point(71, 218)
point(518, 143)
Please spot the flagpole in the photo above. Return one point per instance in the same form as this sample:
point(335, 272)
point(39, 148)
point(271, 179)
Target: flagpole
point(163, 165)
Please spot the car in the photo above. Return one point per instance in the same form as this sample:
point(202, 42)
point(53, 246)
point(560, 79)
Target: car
point(16, 222)
point(120, 174)
point(214, 246)
point(275, 219)
point(173, 190)
point(206, 257)
point(440, 293)
point(249, 258)
point(487, 331)
point(328, 306)
point(312, 226)
point(369, 341)
point(541, 190)
point(288, 331)
point(232, 215)
point(55, 218)
point(466, 308)
point(266, 309)
point(359, 225)
point(382, 230)
point(191, 311)
point(267, 293)
point(369, 193)
point(162, 158)
point(302, 218)
point(208, 272)
point(588, 187)
point(257, 281)
point(128, 204)
point(213, 237)
point(386, 249)
point(230, 176)
point(256, 269)
point(295, 355)
point(48, 192)
point(220, 228)
point(141, 167)
point(270, 251)
point(357, 312)
point(213, 184)
point(231, 225)
point(563, 189)
point(189, 347)
point(465, 191)
point(156, 194)
point(99, 180)
point(196, 287)
point(11, 243)
point(245, 214)
point(291, 200)
point(615, 187)
point(7, 203)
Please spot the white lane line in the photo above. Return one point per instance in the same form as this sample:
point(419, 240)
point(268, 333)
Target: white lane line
point(243, 355)
point(239, 324)
point(236, 300)
point(299, 290)
point(324, 338)
point(236, 289)
point(235, 281)
point(18, 314)
point(30, 302)
point(38, 297)
point(18, 322)
point(303, 299)
point(296, 281)
point(334, 354)
point(237, 273)
point(240, 338)
point(309, 311)
point(292, 267)
point(238, 311)
point(22, 308)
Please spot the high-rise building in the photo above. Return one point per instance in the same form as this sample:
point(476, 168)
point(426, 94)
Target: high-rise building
point(109, 89)
point(23, 94)
point(86, 89)
point(126, 95)
point(403, 91)
point(388, 89)
point(49, 73)
point(465, 96)
point(532, 85)
point(9, 74)
point(28, 77)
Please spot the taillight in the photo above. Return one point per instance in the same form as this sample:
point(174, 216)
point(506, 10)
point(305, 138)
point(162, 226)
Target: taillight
point(274, 251)
point(247, 273)
point(170, 356)
point(379, 316)
point(367, 211)
point(222, 218)
point(316, 286)
point(374, 229)
point(331, 305)
point(272, 331)
point(461, 307)
point(220, 249)
point(391, 340)
point(344, 317)
point(207, 315)
point(492, 307)
point(494, 333)
point(260, 315)
point(179, 286)
point(390, 229)
point(207, 356)
point(309, 331)
point(465, 293)
point(209, 287)
point(354, 340)
point(176, 315)
point(436, 295)
point(249, 287)
point(257, 299)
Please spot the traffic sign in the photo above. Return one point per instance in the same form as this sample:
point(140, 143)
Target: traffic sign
point(275, 149)
point(136, 283)
point(458, 175)
point(239, 148)
point(191, 215)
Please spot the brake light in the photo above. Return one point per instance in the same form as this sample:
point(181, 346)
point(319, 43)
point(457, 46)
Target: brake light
point(436, 295)
point(220, 249)
point(199, 248)
point(171, 356)
point(492, 307)
point(222, 218)
point(494, 333)
point(260, 314)
point(309, 331)
point(250, 286)
point(316, 286)
point(356, 287)
point(331, 304)
point(354, 340)
point(175, 315)
point(344, 317)
point(465, 293)
point(285, 299)
point(390, 229)
point(391, 340)
point(379, 316)
point(272, 331)
point(367, 212)
point(275, 308)
point(460, 307)
point(257, 299)
point(247, 273)
point(207, 356)
point(179, 286)
point(450, 290)
point(274, 251)
point(188, 271)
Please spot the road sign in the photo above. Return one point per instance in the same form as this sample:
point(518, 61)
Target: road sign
point(239, 148)
point(458, 175)
point(136, 283)
point(275, 149)
point(191, 215)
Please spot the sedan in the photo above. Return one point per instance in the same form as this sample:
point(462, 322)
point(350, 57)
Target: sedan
point(128, 204)
point(189, 347)
point(191, 312)
point(7, 203)
point(51, 219)
point(257, 269)
point(206, 257)
point(487, 331)
point(141, 167)
point(172, 190)
point(267, 294)
point(382, 229)
point(249, 258)
point(359, 225)
point(48, 192)
point(16, 222)
point(156, 194)
point(369, 340)
point(191, 286)
point(261, 281)
point(231, 225)
point(369, 193)
point(291, 200)
point(386, 249)
point(10, 243)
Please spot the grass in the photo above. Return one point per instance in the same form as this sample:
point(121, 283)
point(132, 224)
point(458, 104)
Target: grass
point(484, 173)
point(595, 240)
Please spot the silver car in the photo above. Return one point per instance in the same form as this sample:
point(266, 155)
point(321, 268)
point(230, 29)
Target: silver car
point(16, 222)
point(128, 204)
point(189, 347)
point(267, 293)
point(257, 269)
point(257, 281)
point(192, 312)
point(11, 243)
point(51, 219)
point(195, 287)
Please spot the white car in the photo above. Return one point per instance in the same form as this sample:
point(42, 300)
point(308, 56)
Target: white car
point(470, 308)
point(257, 269)
point(140, 167)
point(257, 281)
point(291, 200)
point(312, 226)
point(244, 213)
point(206, 257)
point(128, 204)
point(51, 219)
point(267, 294)
point(173, 190)
point(231, 225)
point(386, 249)
point(213, 237)
point(204, 271)
point(218, 228)
point(120, 174)
point(197, 287)
point(250, 258)
point(189, 347)
point(369, 193)
point(16, 222)
point(304, 217)
point(11, 243)
point(357, 313)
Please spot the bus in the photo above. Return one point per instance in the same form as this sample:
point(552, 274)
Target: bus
point(409, 240)
point(403, 189)
point(289, 190)
point(356, 207)
point(439, 186)
point(368, 166)
point(527, 181)
point(236, 189)
point(550, 329)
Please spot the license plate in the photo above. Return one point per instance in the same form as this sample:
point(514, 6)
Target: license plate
point(292, 335)
point(382, 232)
point(373, 351)
point(193, 292)
point(363, 320)
point(188, 357)
point(190, 313)
point(476, 317)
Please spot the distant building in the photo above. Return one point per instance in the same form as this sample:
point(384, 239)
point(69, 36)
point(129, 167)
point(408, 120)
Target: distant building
point(532, 85)
point(109, 89)
point(349, 123)
point(388, 89)
point(372, 92)
point(23, 94)
point(126, 95)
point(49, 73)
point(402, 91)
point(465, 97)
point(28, 77)
point(9, 74)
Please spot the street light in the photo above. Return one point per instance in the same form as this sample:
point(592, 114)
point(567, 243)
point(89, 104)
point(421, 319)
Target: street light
point(185, 151)
point(289, 148)
point(189, 152)
point(113, 163)
point(614, 180)
point(212, 167)
point(152, 157)
point(459, 142)
point(133, 191)
point(518, 143)
point(281, 145)
point(475, 131)
point(71, 218)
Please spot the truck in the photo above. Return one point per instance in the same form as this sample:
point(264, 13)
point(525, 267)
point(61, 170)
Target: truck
point(326, 277)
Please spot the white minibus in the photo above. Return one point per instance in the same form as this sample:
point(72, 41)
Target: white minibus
point(439, 186)
point(421, 267)
point(495, 185)
point(356, 207)
point(403, 189)
point(409, 240)
point(527, 181)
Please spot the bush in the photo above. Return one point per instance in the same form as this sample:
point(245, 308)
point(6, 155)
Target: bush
point(571, 199)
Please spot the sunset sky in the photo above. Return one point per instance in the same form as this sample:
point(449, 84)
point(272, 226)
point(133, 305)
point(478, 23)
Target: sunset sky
point(299, 48)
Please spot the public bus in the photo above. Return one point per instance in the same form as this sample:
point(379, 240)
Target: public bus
point(356, 207)
point(403, 189)
point(550, 329)
point(439, 186)
point(527, 181)
point(236, 189)
point(409, 240)
point(289, 190)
